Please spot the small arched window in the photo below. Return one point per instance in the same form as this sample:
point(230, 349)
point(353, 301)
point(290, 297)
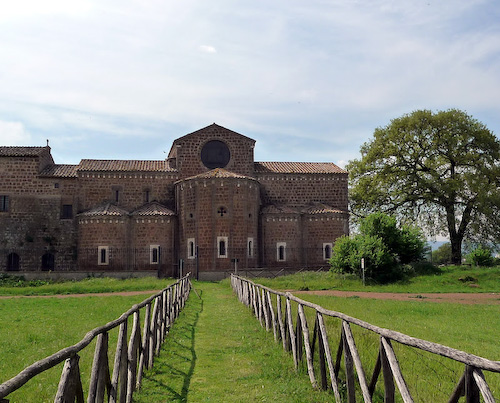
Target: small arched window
point(222, 246)
point(13, 262)
point(281, 251)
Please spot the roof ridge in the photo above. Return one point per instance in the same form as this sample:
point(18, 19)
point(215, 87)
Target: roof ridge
point(218, 173)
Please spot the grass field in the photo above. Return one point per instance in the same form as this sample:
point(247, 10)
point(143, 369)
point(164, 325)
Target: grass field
point(217, 351)
point(10, 285)
point(34, 328)
point(448, 279)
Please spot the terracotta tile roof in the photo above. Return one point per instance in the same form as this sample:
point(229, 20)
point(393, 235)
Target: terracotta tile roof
point(320, 208)
point(298, 168)
point(153, 209)
point(21, 151)
point(219, 173)
point(125, 166)
point(317, 208)
point(60, 171)
point(275, 209)
point(107, 209)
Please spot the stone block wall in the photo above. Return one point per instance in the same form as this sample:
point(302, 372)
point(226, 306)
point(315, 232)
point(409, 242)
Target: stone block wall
point(148, 231)
point(100, 187)
point(107, 231)
point(213, 208)
point(302, 189)
point(33, 224)
point(187, 151)
point(277, 229)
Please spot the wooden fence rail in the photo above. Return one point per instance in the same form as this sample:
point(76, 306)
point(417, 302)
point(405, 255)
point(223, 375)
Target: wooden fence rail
point(298, 339)
point(131, 357)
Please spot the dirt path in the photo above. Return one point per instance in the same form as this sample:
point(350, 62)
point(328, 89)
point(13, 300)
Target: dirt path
point(459, 298)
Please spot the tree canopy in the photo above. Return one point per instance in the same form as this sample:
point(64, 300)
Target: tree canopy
point(437, 169)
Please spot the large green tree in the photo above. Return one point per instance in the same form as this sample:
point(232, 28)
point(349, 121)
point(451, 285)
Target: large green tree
point(437, 169)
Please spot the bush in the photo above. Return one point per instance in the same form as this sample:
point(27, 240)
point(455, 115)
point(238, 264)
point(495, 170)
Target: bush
point(481, 256)
point(406, 243)
point(386, 249)
point(348, 252)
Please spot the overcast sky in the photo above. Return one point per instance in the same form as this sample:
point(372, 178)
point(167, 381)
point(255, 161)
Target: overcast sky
point(308, 80)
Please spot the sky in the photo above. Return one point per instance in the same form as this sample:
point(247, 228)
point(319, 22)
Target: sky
point(308, 80)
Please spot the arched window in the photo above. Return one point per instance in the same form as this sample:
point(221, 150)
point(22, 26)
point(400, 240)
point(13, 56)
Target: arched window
point(48, 262)
point(191, 250)
point(222, 246)
point(281, 251)
point(13, 262)
point(250, 247)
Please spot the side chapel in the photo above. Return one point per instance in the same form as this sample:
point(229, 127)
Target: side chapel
point(208, 209)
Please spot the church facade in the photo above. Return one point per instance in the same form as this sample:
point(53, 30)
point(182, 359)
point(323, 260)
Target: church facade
point(208, 209)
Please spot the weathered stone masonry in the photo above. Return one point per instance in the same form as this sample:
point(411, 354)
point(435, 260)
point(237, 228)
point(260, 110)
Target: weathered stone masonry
point(206, 208)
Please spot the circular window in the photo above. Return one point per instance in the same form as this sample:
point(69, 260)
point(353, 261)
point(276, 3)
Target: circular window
point(215, 154)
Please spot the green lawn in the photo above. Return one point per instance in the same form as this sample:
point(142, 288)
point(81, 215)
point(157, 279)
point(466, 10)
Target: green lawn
point(217, 351)
point(449, 279)
point(10, 285)
point(34, 328)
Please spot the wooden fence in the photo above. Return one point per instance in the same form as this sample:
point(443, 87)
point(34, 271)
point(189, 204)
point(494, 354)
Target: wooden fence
point(298, 339)
point(131, 357)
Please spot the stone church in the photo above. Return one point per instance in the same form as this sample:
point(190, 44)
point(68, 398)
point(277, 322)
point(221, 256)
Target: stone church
point(208, 209)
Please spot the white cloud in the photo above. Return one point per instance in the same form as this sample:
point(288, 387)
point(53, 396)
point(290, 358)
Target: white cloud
point(20, 9)
point(14, 134)
point(342, 163)
point(306, 72)
point(208, 49)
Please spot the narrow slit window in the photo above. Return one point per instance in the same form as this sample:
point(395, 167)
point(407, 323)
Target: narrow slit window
point(103, 256)
point(154, 254)
point(4, 203)
point(327, 251)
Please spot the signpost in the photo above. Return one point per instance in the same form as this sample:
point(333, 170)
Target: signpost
point(363, 270)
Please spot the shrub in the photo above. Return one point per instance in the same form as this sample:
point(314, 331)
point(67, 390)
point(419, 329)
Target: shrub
point(348, 252)
point(480, 256)
point(406, 243)
point(386, 249)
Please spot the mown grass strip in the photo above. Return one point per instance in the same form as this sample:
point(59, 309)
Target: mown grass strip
point(217, 351)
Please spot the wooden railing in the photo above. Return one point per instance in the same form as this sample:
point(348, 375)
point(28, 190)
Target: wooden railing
point(131, 357)
point(297, 339)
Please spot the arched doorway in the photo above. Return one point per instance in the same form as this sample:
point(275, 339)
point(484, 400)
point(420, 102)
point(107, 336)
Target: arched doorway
point(12, 262)
point(48, 262)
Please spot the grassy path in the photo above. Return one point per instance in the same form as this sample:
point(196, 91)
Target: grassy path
point(218, 352)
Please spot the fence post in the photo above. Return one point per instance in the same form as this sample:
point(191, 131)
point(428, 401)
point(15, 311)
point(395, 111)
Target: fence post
point(70, 385)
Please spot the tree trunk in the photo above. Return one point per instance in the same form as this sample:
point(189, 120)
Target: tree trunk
point(456, 249)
